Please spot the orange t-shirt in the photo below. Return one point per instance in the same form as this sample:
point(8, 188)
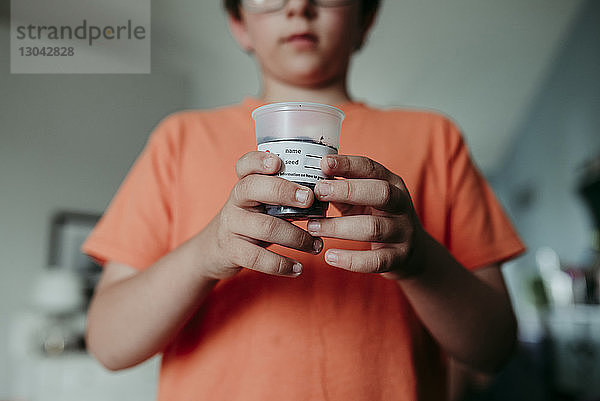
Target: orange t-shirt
point(328, 334)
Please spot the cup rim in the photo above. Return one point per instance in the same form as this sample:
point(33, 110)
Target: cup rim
point(298, 106)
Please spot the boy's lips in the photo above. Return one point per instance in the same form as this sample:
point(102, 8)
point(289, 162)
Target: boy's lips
point(303, 39)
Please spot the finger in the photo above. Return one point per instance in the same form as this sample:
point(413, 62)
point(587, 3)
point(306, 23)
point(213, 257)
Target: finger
point(257, 162)
point(273, 230)
point(374, 261)
point(356, 167)
point(368, 228)
point(260, 259)
point(255, 189)
point(380, 194)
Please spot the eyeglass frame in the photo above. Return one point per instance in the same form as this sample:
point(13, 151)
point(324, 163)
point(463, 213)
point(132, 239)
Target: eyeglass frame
point(258, 10)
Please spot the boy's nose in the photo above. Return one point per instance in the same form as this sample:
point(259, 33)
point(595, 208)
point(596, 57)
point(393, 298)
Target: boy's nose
point(300, 7)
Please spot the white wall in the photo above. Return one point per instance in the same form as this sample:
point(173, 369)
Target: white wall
point(66, 142)
point(538, 179)
point(560, 132)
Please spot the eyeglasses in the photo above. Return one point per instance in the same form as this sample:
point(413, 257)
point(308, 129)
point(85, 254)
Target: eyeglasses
point(267, 6)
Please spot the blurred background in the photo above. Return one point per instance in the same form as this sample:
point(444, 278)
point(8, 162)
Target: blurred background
point(520, 77)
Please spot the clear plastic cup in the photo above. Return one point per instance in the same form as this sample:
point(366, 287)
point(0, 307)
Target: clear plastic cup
point(300, 134)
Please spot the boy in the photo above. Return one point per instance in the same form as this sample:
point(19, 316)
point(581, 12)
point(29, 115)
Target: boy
point(186, 269)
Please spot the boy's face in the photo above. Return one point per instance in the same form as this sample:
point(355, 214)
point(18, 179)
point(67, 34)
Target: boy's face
point(302, 44)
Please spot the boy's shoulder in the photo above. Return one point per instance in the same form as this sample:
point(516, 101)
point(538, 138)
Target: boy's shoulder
point(195, 115)
point(410, 115)
point(417, 121)
point(179, 124)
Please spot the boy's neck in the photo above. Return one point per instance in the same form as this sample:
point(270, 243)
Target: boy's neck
point(278, 91)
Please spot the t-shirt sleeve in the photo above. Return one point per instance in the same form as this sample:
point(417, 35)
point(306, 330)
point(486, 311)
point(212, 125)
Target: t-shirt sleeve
point(478, 231)
point(136, 227)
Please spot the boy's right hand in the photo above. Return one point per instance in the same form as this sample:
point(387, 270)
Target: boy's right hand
point(242, 230)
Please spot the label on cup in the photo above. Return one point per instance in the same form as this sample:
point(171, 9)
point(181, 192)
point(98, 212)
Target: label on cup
point(301, 159)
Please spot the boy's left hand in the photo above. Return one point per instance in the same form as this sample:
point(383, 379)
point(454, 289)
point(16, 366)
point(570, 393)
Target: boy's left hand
point(375, 207)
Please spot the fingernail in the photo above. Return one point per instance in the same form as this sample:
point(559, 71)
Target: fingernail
point(297, 268)
point(269, 162)
point(331, 162)
point(313, 226)
point(323, 188)
point(301, 195)
point(331, 256)
point(317, 245)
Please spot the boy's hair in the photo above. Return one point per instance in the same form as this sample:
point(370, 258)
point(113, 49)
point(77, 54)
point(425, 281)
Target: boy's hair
point(368, 7)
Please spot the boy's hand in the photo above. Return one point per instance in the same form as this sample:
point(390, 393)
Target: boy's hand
point(376, 207)
point(242, 229)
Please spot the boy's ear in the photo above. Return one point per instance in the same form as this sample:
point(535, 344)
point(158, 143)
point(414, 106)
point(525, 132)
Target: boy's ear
point(240, 33)
point(367, 25)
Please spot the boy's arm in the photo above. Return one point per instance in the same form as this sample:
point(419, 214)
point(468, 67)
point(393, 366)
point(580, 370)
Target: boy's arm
point(135, 314)
point(460, 377)
point(469, 314)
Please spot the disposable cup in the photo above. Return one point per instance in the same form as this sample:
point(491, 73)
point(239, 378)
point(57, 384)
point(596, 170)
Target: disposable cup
point(300, 134)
